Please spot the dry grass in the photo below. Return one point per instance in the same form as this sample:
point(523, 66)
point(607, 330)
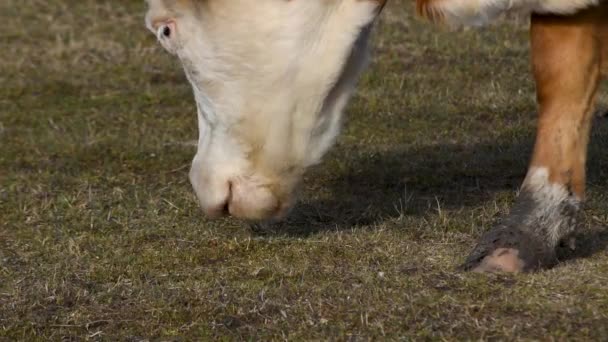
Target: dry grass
point(101, 238)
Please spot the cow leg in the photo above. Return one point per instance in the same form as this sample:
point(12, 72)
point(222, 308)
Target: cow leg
point(566, 59)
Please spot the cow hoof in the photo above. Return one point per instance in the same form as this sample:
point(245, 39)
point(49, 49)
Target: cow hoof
point(510, 250)
point(501, 260)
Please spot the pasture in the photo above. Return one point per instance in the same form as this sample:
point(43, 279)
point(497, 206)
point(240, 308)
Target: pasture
point(101, 236)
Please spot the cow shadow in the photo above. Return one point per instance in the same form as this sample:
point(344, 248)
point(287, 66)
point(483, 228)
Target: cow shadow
point(357, 188)
point(372, 187)
point(587, 243)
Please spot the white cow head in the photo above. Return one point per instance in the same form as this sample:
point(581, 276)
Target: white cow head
point(271, 79)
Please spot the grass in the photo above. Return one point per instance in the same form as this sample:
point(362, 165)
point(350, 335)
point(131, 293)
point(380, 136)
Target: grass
point(101, 237)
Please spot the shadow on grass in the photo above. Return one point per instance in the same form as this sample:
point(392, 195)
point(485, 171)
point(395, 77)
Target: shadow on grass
point(371, 188)
point(588, 243)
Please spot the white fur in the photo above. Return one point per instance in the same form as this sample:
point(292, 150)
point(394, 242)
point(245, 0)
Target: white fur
point(551, 198)
point(479, 12)
point(270, 79)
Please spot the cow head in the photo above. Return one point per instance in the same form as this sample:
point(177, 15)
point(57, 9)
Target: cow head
point(270, 79)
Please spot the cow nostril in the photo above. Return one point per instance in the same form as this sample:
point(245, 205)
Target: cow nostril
point(226, 208)
point(222, 209)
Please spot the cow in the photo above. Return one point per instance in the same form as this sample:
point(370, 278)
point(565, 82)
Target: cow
point(271, 79)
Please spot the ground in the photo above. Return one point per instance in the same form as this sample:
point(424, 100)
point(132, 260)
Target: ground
point(101, 236)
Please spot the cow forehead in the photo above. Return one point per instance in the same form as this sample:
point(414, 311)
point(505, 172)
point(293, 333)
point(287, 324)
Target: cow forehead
point(174, 5)
point(258, 17)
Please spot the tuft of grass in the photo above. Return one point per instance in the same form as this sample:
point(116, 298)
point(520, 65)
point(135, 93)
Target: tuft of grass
point(101, 237)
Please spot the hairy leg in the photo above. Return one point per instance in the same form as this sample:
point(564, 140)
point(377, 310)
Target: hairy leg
point(567, 64)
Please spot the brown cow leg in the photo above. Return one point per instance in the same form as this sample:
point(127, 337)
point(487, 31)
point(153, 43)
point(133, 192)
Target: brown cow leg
point(566, 58)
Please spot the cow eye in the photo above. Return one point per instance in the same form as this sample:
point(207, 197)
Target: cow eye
point(166, 31)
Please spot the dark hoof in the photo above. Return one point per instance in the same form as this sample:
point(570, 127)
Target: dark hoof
point(509, 249)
